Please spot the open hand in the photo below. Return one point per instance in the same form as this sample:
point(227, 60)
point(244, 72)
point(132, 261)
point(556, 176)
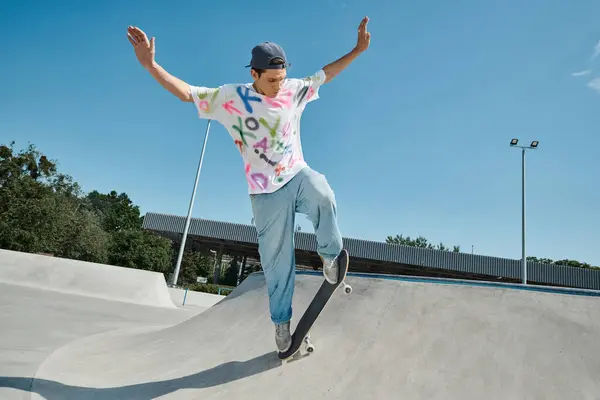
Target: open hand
point(144, 48)
point(364, 37)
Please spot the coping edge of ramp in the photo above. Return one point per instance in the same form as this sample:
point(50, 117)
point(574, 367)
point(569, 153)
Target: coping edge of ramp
point(466, 282)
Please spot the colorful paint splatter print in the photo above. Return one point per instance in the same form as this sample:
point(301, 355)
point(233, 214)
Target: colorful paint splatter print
point(266, 131)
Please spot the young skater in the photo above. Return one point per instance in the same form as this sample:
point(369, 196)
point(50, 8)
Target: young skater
point(263, 119)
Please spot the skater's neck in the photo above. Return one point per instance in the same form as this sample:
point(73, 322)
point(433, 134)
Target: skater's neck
point(257, 89)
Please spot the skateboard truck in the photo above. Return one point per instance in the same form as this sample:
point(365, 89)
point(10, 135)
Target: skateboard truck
point(310, 347)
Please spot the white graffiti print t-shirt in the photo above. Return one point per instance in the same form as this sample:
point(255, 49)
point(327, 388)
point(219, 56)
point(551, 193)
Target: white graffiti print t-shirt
point(265, 130)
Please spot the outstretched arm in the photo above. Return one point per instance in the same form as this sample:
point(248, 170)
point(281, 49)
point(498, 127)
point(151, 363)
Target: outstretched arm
point(364, 39)
point(144, 51)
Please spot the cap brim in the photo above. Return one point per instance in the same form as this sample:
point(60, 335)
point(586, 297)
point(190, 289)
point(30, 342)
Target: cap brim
point(278, 66)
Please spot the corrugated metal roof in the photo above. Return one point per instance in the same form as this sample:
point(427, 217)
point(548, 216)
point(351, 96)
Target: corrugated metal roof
point(379, 251)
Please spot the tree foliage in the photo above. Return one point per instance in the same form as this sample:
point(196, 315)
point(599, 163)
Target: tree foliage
point(422, 242)
point(41, 210)
point(565, 262)
point(135, 248)
point(44, 211)
point(193, 265)
point(115, 211)
point(419, 241)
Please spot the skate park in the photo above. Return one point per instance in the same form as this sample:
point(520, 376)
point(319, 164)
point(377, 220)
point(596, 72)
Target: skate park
point(75, 330)
point(460, 147)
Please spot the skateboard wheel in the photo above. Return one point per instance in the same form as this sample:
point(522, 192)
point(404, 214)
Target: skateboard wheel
point(309, 346)
point(347, 288)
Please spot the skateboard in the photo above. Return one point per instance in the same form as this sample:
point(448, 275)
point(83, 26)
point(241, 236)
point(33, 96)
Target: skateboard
point(301, 334)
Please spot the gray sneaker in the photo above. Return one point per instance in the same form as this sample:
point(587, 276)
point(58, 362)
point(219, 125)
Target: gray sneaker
point(330, 270)
point(283, 338)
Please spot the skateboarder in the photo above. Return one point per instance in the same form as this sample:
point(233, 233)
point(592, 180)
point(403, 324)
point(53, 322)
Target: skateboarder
point(263, 119)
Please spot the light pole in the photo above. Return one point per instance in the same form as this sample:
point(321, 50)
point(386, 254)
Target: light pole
point(533, 145)
point(191, 206)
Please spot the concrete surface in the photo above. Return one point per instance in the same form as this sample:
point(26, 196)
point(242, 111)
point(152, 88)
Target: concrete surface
point(194, 299)
point(34, 323)
point(84, 278)
point(388, 339)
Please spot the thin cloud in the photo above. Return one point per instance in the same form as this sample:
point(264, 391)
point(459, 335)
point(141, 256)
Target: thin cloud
point(596, 50)
point(582, 73)
point(594, 84)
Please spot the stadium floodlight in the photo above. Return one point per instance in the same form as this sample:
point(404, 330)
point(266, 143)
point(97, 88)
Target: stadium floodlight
point(534, 145)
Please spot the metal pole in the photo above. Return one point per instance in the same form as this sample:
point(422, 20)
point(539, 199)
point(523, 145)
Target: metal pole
point(533, 145)
point(189, 215)
point(523, 260)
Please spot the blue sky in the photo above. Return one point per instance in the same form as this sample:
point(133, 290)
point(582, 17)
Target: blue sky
point(413, 136)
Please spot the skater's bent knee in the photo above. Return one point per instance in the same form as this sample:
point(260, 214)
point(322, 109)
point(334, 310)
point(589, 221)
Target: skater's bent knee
point(326, 197)
point(324, 193)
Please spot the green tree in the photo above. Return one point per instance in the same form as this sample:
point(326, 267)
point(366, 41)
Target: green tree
point(419, 241)
point(565, 262)
point(116, 211)
point(141, 250)
point(40, 209)
point(30, 162)
point(84, 239)
point(193, 265)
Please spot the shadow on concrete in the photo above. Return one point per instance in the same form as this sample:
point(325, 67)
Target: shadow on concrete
point(222, 374)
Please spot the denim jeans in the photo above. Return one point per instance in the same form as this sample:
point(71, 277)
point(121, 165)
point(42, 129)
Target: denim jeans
point(307, 193)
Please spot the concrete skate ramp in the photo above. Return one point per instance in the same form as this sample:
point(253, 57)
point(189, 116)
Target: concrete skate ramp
point(191, 298)
point(388, 339)
point(84, 278)
point(35, 322)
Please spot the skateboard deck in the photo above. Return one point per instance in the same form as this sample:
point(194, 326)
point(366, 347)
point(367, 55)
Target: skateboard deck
point(316, 306)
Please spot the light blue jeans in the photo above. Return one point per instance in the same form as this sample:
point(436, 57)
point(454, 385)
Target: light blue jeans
point(307, 193)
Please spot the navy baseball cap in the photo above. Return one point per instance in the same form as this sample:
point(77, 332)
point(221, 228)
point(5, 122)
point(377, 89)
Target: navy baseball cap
point(263, 53)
